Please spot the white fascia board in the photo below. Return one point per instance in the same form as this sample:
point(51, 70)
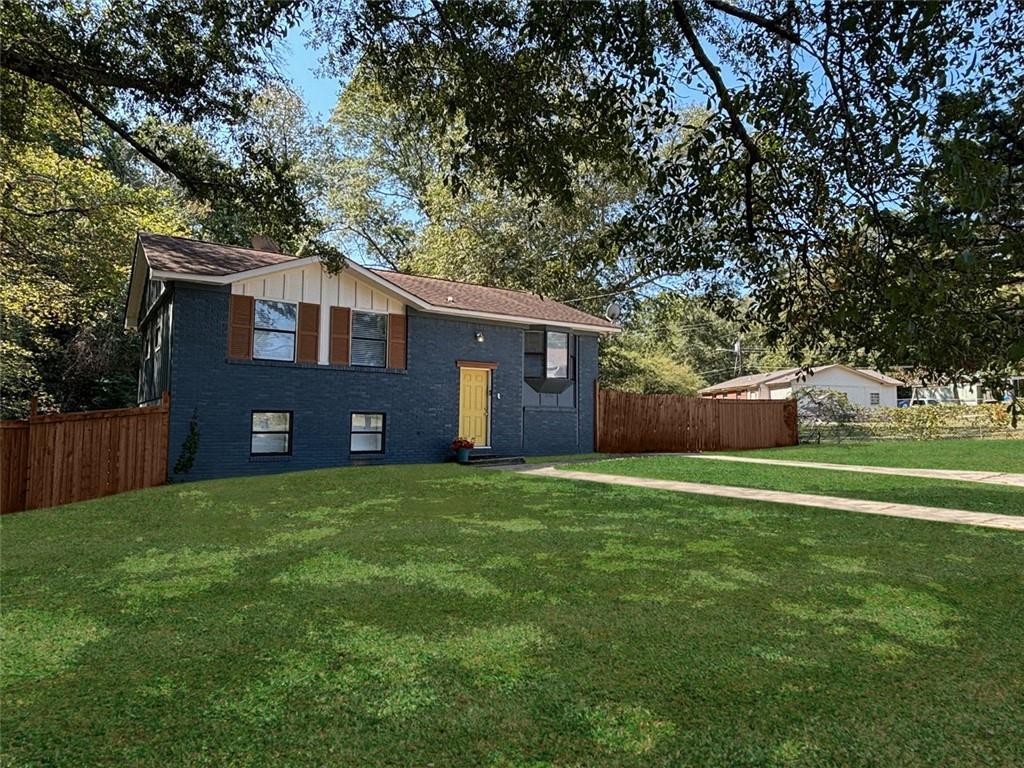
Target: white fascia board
point(517, 319)
point(136, 284)
point(234, 277)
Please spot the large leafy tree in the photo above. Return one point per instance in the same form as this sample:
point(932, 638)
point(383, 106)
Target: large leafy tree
point(69, 211)
point(177, 82)
point(828, 184)
point(389, 202)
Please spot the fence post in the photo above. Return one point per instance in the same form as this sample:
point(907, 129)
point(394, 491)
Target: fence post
point(597, 416)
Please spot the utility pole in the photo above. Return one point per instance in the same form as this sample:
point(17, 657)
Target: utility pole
point(737, 351)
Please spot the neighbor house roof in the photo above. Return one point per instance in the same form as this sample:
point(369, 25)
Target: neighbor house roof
point(179, 258)
point(482, 298)
point(751, 381)
point(787, 375)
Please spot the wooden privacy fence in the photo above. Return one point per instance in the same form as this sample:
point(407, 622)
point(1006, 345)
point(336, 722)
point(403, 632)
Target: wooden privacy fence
point(629, 423)
point(67, 457)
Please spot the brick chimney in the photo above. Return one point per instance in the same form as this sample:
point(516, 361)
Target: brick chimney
point(264, 243)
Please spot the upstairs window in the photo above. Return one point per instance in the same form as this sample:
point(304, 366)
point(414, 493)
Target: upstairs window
point(274, 330)
point(533, 362)
point(369, 339)
point(547, 361)
point(557, 356)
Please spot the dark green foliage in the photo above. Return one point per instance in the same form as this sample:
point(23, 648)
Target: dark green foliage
point(177, 82)
point(189, 447)
point(856, 174)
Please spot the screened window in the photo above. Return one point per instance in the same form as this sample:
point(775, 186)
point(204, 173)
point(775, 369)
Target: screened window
point(876, 398)
point(367, 433)
point(271, 433)
point(274, 330)
point(369, 339)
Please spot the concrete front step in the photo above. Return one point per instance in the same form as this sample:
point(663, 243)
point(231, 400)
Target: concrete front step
point(491, 460)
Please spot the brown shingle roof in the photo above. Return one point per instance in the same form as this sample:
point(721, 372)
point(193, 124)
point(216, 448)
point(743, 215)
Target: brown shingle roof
point(197, 257)
point(748, 381)
point(482, 298)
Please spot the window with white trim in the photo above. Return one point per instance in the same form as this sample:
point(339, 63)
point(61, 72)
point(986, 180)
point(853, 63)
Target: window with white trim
point(273, 336)
point(271, 433)
point(876, 398)
point(367, 433)
point(369, 339)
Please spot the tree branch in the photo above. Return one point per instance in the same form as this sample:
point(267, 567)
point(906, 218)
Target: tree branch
point(738, 129)
point(161, 162)
point(771, 25)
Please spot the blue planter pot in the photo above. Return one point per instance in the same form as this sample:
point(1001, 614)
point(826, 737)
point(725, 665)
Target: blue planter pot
point(462, 455)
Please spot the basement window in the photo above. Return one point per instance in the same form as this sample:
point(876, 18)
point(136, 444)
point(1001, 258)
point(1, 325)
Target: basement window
point(271, 433)
point(367, 435)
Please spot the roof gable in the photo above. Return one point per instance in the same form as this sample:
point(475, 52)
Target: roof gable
point(166, 257)
point(166, 253)
point(788, 375)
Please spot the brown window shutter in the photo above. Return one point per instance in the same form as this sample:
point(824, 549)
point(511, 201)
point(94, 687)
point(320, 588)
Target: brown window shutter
point(308, 334)
point(396, 341)
point(240, 320)
point(341, 324)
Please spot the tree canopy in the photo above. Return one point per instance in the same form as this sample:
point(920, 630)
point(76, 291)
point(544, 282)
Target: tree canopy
point(849, 173)
point(69, 212)
point(855, 176)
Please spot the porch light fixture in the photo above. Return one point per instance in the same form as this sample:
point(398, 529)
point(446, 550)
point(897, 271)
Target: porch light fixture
point(480, 337)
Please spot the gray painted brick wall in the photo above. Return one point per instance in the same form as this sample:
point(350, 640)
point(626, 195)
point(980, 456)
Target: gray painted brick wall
point(420, 403)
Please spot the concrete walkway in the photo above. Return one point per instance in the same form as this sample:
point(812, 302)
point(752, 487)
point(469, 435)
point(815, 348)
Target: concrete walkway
point(967, 476)
point(937, 514)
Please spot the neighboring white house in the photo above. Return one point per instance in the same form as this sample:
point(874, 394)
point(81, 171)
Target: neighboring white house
point(862, 386)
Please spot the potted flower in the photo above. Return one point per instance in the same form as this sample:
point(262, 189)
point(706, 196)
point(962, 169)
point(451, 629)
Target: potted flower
point(462, 446)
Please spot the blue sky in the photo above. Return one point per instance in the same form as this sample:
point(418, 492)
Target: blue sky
point(299, 62)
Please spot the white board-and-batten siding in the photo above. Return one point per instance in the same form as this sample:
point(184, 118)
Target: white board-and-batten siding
point(312, 285)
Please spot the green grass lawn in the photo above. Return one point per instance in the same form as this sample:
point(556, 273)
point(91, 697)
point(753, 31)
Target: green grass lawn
point(461, 617)
point(992, 455)
point(975, 497)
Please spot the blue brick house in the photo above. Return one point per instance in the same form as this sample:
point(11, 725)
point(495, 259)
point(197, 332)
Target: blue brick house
point(278, 365)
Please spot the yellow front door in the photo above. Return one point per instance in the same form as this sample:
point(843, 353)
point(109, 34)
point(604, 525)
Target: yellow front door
point(474, 405)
